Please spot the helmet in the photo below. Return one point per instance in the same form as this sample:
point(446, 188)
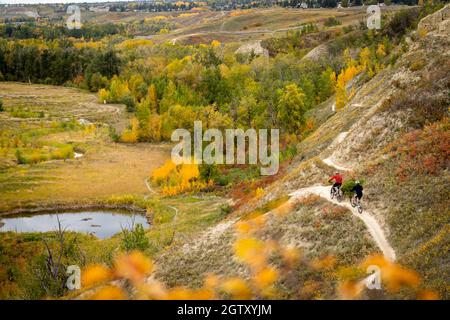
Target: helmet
point(357, 181)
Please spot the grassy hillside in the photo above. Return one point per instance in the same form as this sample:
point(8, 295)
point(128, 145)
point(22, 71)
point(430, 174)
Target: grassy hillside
point(396, 140)
point(315, 227)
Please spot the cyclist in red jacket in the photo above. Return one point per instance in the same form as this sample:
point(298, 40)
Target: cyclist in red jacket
point(337, 180)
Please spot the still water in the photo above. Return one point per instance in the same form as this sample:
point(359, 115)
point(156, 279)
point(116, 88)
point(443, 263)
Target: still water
point(102, 224)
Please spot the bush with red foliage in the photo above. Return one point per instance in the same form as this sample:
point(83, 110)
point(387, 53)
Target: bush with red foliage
point(425, 151)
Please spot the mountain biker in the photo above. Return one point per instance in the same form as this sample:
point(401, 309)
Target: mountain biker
point(337, 180)
point(358, 190)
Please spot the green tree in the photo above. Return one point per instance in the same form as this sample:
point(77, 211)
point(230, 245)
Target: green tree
point(97, 82)
point(246, 111)
point(143, 115)
point(325, 85)
point(135, 239)
point(152, 96)
point(291, 108)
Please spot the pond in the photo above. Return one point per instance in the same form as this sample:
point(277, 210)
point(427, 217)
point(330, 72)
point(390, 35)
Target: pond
point(102, 224)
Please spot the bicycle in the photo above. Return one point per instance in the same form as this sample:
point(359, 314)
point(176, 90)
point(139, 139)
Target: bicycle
point(336, 192)
point(355, 202)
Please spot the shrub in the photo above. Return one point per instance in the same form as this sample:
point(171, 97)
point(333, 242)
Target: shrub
point(32, 156)
point(331, 21)
point(179, 179)
point(402, 22)
point(61, 153)
point(223, 181)
point(26, 113)
point(130, 135)
point(417, 65)
point(348, 29)
point(135, 239)
point(422, 152)
point(1, 106)
point(113, 134)
point(348, 185)
point(208, 172)
point(225, 210)
point(128, 101)
point(20, 158)
point(425, 109)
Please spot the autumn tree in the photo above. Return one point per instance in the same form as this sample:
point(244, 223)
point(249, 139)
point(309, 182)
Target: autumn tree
point(152, 97)
point(154, 127)
point(131, 134)
point(291, 108)
point(143, 113)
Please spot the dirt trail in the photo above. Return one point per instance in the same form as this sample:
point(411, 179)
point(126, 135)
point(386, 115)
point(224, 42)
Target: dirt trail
point(324, 191)
point(372, 225)
point(149, 188)
point(176, 212)
point(330, 161)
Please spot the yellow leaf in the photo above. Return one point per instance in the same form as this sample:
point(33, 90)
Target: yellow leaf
point(109, 293)
point(95, 274)
point(134, 266)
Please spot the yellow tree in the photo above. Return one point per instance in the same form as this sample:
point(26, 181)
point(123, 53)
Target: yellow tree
point(152, 96)
point(341, 92)
point(215, 43)
point(364, 57)
point(344, 77)
point(130, 135)
point(381, 51)
point(349, 61)
point(154, 127)
point(136, 83)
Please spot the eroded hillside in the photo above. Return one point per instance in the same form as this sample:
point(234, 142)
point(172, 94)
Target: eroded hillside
point(393, 135)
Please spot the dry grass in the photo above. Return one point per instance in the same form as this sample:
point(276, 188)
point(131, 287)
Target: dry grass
point(254, 24)
point(105, 169)
point(58, 103)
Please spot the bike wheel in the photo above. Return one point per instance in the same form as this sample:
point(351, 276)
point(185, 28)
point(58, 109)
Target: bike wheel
point(339, 196)
point(353, 201)
point(360, 208)
point(332, 193)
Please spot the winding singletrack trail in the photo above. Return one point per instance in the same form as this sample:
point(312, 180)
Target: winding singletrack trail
point(372, 225)
point(150, 189)
point(330, 160)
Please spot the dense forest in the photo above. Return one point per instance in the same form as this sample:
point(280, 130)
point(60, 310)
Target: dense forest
point(168, 86)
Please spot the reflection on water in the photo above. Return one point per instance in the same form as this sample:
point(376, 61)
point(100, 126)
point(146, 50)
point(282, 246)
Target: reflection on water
point(102, 224)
